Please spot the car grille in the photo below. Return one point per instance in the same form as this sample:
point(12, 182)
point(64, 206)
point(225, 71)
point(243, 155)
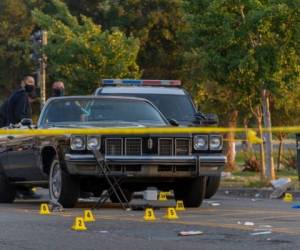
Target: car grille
point(182, 146)
point(165, 146)
point(113, 146)
point(133, 146)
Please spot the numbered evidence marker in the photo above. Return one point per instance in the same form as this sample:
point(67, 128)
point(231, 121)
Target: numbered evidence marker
point(162, 196)
point(44, 209)
point(88, 216)
point(180, 206)
point(171, 214)
point(288, 197)
point(79, 224)
point(149, 215)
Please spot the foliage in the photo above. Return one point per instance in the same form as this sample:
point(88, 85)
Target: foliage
point(156, 23)
point(81, 53)
point(247, 46)
point(15, 28)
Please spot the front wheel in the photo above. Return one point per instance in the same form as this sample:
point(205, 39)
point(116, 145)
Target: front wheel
point(191, 191)
point(63, 188)
point(212, 186)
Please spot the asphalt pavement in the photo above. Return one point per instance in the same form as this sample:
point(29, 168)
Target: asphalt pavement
point(226, 222)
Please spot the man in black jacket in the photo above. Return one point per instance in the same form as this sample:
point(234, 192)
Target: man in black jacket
point(19, 103)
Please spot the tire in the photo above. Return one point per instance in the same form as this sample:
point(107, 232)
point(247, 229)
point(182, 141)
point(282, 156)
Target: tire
point(213, 183)
point(7, 190)
point(128, 194)
point(63, 188)
point(191, 191)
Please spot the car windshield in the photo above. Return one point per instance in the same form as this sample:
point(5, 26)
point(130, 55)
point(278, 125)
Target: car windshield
point(178, 107)
point(96, 112)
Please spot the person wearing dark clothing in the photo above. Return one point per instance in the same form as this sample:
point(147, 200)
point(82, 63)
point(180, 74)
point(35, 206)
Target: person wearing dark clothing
point(18, 108)
point(19, 103)
point(58, 89)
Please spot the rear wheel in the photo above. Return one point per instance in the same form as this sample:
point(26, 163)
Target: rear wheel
point(63, 188)
point(213, 183)
point(7, 190)
point(191, 191)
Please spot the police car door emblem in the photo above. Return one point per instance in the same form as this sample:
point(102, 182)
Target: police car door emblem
point(150, 143)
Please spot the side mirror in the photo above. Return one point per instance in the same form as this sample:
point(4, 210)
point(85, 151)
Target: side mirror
point(211, 119)
point(173, 122)
point(26, 122)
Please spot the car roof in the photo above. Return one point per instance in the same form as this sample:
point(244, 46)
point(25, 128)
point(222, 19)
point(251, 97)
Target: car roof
point(141, 90)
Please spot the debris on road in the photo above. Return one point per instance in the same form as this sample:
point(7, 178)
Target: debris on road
point(261, 233)
point(246, 223)
point(213, 203)
point(296, 206)
point(280, 186)
point(190, 233)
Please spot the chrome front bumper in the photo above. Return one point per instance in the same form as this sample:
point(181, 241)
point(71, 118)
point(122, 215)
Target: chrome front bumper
point(165, 166)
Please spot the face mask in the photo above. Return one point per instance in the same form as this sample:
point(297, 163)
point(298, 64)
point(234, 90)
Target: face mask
point(29, 88)
point(57, 92)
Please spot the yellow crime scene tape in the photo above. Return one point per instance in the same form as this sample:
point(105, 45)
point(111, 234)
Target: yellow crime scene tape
point(250, 133)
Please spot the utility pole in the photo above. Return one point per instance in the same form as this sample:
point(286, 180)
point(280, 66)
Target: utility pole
point(39, 40)
point(43, 61)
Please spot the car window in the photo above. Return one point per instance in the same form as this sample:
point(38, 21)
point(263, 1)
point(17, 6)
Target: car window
point(93, 111)
point(177, 107)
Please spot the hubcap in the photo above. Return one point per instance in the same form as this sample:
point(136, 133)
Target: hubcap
point(56, 181)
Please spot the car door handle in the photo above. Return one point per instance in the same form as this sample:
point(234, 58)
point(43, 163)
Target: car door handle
point(10, 137)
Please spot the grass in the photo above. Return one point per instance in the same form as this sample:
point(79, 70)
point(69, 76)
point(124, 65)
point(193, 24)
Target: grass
point(247, 179)
point(252, 179)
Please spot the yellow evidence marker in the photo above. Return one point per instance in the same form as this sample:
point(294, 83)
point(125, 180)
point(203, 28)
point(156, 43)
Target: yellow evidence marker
point(79, 224)
point(44, 209)
point(88, 216)
point(288, 197)
point(162, 196)
point(180, 206)
point(149, 215)
point(171, 214)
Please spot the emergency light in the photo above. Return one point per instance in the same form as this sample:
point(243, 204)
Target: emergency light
point(114, 82)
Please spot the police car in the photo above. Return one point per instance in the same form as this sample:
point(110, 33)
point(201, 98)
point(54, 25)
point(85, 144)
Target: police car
point(177, 106)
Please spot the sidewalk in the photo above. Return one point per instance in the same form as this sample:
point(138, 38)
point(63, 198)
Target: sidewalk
point(252, 192)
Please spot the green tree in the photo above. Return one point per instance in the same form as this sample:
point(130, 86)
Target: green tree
point(15, 28)
point(247, 46)
point(81, 54)
point(156, 23)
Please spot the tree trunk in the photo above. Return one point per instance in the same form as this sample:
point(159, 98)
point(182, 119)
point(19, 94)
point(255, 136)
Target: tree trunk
point(261, 149)
point(280, 149)
point(247, 146)
point(231, 142)
point(270, 173)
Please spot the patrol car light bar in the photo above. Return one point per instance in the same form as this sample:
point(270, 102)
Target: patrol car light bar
point(141, 82)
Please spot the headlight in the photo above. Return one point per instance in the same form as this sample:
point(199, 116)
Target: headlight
point(200, 142)
point(215, 142)
point(93, 142)
point(77, 142)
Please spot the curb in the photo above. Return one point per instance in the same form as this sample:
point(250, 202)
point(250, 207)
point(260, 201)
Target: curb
point(252, 192)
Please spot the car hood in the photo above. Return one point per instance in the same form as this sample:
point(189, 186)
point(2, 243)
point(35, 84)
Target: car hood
point(107, 125)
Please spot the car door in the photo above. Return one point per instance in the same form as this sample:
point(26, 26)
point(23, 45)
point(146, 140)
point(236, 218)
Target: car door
point(22, 156)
